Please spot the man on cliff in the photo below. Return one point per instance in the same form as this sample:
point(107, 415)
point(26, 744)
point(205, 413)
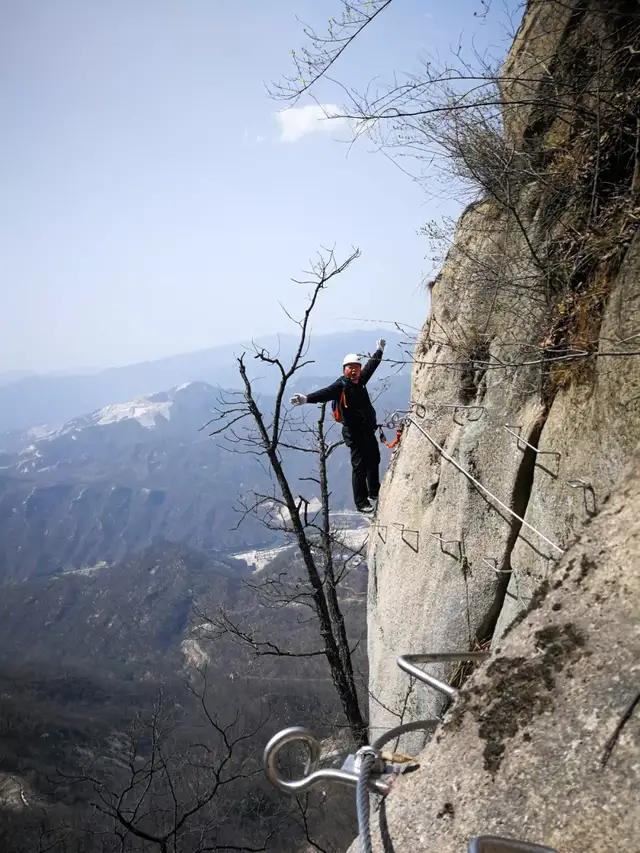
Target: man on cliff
point(352, 408)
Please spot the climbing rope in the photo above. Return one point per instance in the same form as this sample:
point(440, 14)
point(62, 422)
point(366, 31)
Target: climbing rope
point(479, 485)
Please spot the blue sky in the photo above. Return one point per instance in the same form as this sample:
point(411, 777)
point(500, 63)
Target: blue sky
point(154, 202)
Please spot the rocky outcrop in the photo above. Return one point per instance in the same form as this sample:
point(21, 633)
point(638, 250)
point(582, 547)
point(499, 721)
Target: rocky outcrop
point(526, 375)
point(542, 742)
point(594, 428)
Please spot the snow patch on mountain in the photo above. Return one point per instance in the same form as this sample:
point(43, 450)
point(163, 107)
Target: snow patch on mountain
point(144, 410)
point(260, 558)
point(349, 530)
point(88, 570)
point(194, 655)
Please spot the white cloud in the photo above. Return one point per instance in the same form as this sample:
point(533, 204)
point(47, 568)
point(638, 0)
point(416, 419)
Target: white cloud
point(249, 139)
point(297, 122)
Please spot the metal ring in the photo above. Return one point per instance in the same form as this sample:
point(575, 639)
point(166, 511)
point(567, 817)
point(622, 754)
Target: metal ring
point(278, 742)
point(311, 776)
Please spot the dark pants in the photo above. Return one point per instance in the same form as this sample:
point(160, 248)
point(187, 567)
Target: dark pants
point(365, 459)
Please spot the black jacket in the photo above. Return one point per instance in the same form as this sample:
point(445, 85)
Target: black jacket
point(358, 415)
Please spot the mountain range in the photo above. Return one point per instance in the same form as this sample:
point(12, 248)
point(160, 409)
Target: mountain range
point(119, 540)
point(136, 473)
point(33, 400)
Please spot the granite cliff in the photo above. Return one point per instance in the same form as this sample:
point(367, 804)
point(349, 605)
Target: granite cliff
point(523, 419)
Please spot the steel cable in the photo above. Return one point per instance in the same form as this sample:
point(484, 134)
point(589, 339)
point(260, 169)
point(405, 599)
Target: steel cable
point(368, 757)
point(477, 483)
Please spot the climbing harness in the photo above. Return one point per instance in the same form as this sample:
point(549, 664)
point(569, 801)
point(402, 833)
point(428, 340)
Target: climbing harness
point(397, 420)
point(395, 441)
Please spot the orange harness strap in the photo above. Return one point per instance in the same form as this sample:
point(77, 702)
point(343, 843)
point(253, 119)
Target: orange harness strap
point(339, 407)
point(396, 440)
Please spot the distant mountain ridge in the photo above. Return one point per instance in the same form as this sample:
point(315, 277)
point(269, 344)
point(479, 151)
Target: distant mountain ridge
point(132, 474)
point(118, 480)
point(54, 399)
point(129, 616)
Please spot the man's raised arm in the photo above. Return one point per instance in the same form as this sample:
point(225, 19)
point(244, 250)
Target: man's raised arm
point(372, 365)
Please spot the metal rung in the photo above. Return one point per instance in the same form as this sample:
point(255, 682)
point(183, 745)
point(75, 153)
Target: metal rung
point(378, 528)
point(400, 526)
point(536, 450)
point(420, 409)
point(588, 494)
point(438, 536)
point(579, 483)
point(493, 844)
point(492, 562)
point(403, 533)
point(407, 664)
point(459, 406)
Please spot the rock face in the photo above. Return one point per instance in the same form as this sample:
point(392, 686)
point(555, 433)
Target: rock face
point(524, 416)
point(542, 744)
point(525, 375)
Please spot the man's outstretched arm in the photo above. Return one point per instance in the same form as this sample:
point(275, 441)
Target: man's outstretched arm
point(372, 365)
point(331, 392)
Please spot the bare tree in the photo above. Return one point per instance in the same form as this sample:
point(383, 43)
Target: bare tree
point(321, 50)
point(547, 142)
point(159, 792)
point(288, 512)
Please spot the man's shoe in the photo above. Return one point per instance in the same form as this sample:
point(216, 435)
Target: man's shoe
point(367, 509)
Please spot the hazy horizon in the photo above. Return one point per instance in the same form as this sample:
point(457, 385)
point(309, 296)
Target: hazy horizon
point(374, 332)
point(157, 201)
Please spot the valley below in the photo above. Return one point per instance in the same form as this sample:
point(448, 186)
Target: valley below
point(122, 566)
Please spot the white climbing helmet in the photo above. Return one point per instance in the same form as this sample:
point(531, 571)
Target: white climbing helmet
point(351, 358)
